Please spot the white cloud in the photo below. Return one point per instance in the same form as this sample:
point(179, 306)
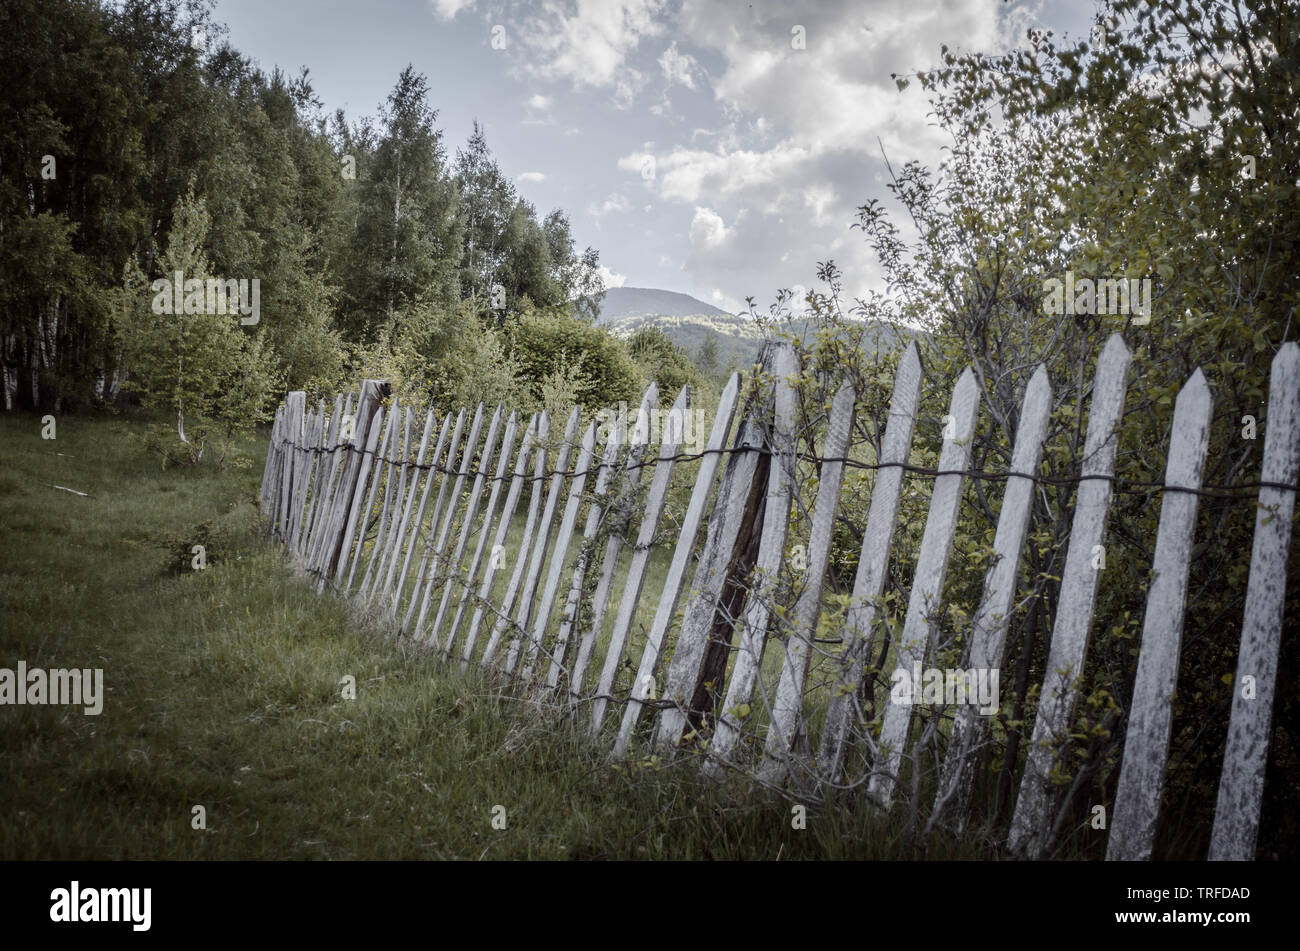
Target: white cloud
point(707, 229)
point(531, 177)
point(447, 9)
point(614, 202)
point(539, 102)
point(588, 42)
point(677, 67)
point(611, 278)
point(776, 184)
point(725, 301)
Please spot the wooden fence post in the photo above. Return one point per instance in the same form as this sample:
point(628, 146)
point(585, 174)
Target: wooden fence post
point(987, 645)
point(1030, 823)
point(787, 709)
point(323, 485)
point(718, 586)
point(595, 513)
point(673, 584)
point(536, 445)
point(870, 581)
point(383, 473)
point(767, 569)
point(467, 525)
point(670, 442)
point(558, 557)
point(538, 555)
point(1146, 747)
point(373, 392)
point(619, 515)
point(920, 626)
point(435, 539)
point(503, 466)
point(1241, 785)
point(293, 416)
point(528, 445)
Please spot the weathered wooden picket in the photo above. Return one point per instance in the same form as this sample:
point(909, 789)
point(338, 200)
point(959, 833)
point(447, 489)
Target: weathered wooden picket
point(320, 494)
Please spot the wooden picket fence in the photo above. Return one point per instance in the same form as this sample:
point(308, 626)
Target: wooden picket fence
point(321, 494)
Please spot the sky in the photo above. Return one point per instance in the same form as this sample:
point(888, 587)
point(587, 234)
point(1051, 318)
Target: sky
point(719, 149)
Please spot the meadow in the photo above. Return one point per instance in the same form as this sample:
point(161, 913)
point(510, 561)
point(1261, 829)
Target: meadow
point(223, 689)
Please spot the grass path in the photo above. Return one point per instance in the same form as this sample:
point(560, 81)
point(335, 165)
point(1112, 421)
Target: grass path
point(222, 690)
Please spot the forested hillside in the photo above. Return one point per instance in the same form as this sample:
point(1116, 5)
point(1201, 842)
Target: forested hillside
point(358, 243)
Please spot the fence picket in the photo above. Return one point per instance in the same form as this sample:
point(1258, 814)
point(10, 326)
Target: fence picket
point(684, 679)
point(523, 613)
point(673, 584)
point(467, 525)
point(670, 443)
point(1030, 824)
point(325, 486)
point(767, 569)
point(503, 466)
point(1241, 784)
point(919, 628)
point(1146, 745)
point(439, 548)
point(384, 474)
point(787, 708)
point(987, 642)
point(467, 460)
point(537, 446)
point(354, 511)
point(619, 516)
point(293, 412)
point(526, 447)
point(423, 572)
point(395, 578)
point(272, 453)
point(559, 557)
point(895, 447)
point(395, 540)
point(572, 605)
point(304, 460)
point(395, 472)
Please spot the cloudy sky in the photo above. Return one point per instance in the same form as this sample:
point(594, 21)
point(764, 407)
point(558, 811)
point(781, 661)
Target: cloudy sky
point(715, 148)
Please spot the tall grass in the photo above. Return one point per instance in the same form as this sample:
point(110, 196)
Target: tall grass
point(225, 689)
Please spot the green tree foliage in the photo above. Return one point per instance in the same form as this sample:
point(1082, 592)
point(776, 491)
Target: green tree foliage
point(594, 363)
point(662, 361)
point(403, 250)
point(373, 251)
point(1122, 157)
point(196, 362)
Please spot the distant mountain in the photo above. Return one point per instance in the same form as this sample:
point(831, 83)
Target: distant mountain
point(623, 302)
point(737, 338)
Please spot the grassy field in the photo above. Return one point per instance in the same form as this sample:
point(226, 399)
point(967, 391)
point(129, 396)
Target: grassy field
point(223, 691)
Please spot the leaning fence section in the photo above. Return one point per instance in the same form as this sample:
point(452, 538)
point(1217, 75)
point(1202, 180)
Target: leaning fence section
point(547, 551)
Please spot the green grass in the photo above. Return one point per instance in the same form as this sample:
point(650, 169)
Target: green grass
point(223, 690)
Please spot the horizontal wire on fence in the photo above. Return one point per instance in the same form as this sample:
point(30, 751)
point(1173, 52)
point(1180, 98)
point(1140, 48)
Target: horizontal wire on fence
point(1121, 486)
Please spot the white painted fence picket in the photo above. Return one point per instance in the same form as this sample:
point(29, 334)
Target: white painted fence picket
point(320, 494)
point(1031, 823)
